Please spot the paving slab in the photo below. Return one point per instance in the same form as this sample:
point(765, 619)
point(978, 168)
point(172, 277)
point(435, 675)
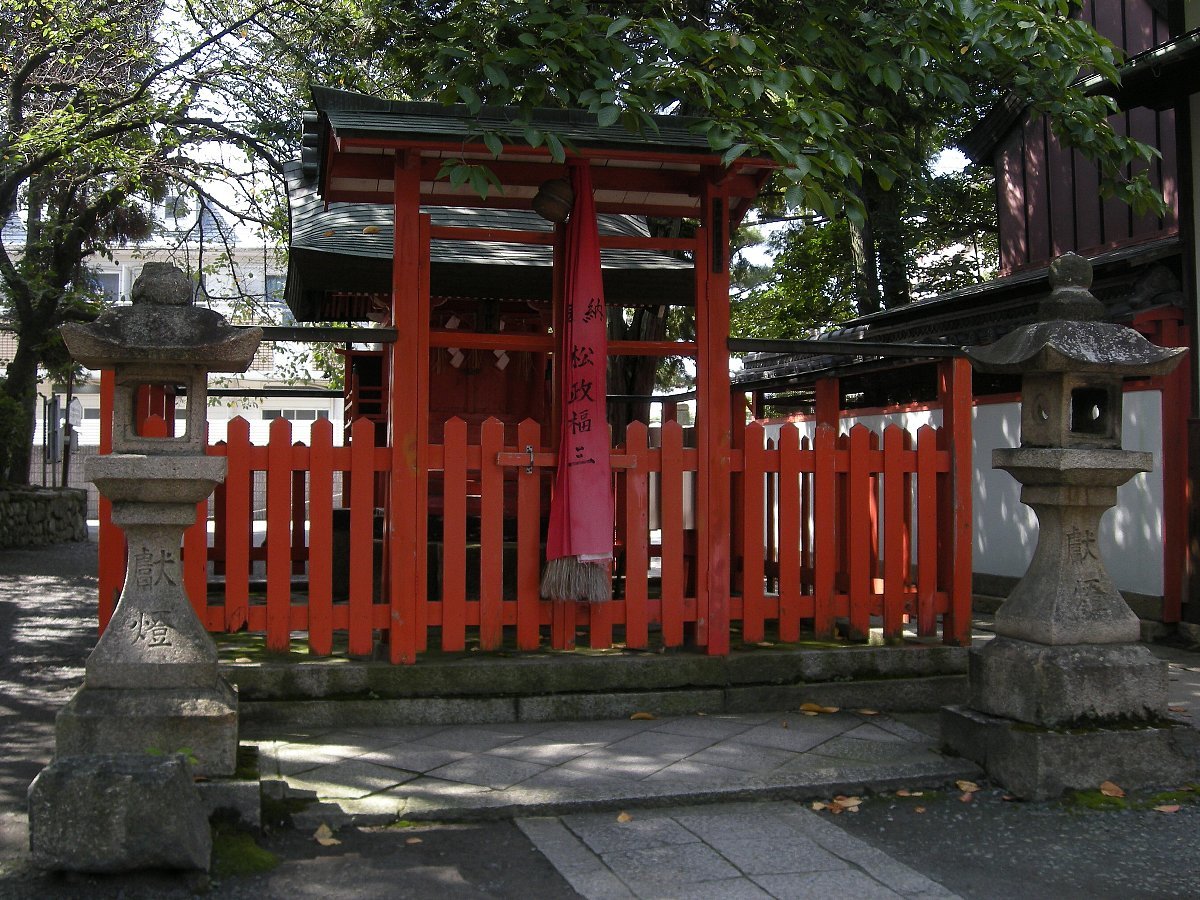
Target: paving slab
point(762, 850)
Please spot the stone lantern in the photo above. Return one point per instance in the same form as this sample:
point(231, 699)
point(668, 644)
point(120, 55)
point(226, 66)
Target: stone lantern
point(152, 690)
point(1067, 653)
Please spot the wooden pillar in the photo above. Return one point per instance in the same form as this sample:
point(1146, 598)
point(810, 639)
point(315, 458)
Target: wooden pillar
point(408, 415)
point(713, 415)
point(828, 402)
point(111, 548)
point(954, 392)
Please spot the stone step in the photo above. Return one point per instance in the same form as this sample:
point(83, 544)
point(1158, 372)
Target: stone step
point(551, 687)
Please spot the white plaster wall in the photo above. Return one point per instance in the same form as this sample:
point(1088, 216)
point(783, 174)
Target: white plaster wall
point(1005, 530)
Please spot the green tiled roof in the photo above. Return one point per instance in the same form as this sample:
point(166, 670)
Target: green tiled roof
point(331, 250)
point(357, 115)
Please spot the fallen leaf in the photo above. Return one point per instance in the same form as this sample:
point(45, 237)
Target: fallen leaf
point(965, 797)
point(830, 709)
point(918, 809)
point(969, 786)
point(867, 712)
point(904, 792)
point(243, 659)
point(413, 840)
point(328, 233)
point(848, 802)
point(371, 229)
point(783, 724)
point(811, 707)
point(1108, 789)
point(324, 836)
point(1167, 808)
point(624, 817)
point(817, 806)
point(643, 716)
point(1008, 797)
point(836, 810)
point(808, 712)
point(1179, 710)
point(764, 644)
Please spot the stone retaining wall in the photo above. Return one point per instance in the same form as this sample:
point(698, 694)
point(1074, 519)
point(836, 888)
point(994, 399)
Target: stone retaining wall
point(34, 517)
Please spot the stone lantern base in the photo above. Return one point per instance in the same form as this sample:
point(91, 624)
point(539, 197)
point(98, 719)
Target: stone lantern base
point(1037, 763)
point(1067, 685)
point(201, 724)
point(1044, 719)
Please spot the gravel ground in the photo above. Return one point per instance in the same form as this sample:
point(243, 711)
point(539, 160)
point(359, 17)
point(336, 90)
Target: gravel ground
point(993, 848)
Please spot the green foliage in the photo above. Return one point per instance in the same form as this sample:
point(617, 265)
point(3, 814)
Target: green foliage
point(811, 284)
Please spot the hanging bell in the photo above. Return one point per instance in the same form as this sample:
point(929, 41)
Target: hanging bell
point(554, 200)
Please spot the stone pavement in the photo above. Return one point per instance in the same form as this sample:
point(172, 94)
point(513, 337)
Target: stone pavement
point(622, 843)
point(424, 772)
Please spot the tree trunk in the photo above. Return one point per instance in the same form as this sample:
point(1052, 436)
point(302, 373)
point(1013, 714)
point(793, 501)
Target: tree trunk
point(866, 275)
point(888, 228)
point(21, 386)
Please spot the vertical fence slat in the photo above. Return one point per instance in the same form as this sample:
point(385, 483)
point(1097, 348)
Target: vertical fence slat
point(491, 537)
point(790, 527)
point(825, 530)
point(454, 536)
point(195, 562)
point(637, 536)
point(238, 515)
point(806, 522)
point(860, 560)
point(279, 551)
point(320, 539)
point(927, 562)
point(671, 515)
point(895, 547)
point(362, 537)
point(110, 539)
point(753, 524)
point(529, 554)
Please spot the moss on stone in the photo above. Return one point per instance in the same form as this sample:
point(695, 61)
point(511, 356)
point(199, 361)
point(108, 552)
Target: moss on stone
point(235, 852)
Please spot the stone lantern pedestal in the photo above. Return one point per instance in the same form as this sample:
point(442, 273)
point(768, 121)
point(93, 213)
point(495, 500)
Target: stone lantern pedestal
point(153, 712)
point(1065, 696)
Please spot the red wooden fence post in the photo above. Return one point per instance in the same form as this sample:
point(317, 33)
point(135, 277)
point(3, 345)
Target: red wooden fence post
point(111, 539)
point(637, 535)
point(320, 539)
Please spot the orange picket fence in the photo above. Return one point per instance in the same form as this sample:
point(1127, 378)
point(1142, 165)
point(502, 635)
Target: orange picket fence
point(830, 536)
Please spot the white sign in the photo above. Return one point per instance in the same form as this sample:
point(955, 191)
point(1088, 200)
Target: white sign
point(75, 412)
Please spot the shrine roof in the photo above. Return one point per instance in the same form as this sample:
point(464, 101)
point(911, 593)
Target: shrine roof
point(352, 141)
point(347, 248)
point(360, 115)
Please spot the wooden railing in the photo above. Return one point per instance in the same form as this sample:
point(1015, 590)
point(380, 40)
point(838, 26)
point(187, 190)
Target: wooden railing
point(830, 536)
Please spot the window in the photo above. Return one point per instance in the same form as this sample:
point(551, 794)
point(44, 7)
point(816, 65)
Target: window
point(295, 415)
point(108, 284)
point(273, 286)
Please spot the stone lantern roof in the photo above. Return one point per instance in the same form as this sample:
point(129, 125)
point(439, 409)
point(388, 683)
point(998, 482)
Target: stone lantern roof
point(164, 327)
point(1070, 335)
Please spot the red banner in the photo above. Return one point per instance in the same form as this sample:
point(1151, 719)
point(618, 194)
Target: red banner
point(581, 514)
